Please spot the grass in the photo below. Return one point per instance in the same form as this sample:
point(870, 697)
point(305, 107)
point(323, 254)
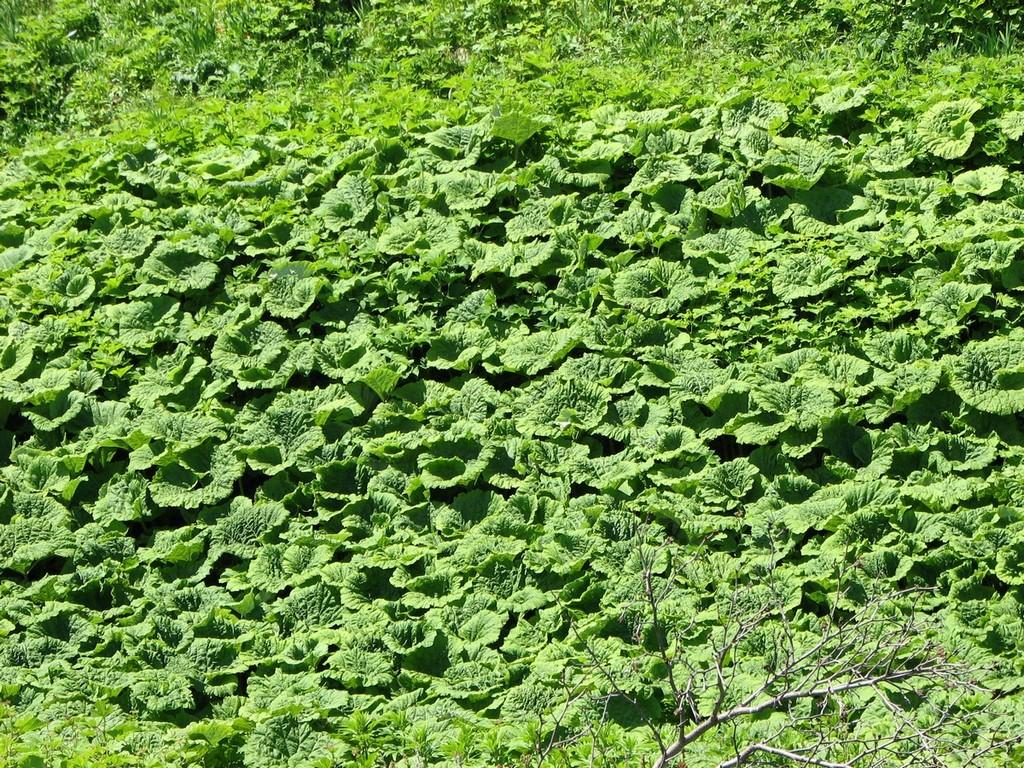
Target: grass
point(77, 64)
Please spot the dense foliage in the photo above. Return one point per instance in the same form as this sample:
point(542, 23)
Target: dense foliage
point(73, 64)
point(332, 429)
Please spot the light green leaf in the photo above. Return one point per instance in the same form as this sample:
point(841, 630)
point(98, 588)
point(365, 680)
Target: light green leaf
point(981, 181)
point(989, 375)
point(1012, 124)
point(946, 129)
point(842, 98)
point(803, 275)
point(516, 127)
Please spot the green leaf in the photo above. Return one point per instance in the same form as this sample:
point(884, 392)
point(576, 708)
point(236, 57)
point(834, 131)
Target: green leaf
point(803, 275)
point(382, 380)
point(981, 181)
point(255, 353)
point(989, 375)
point(75, 285)
point(15, 358)
point(11, 258)
point(285, 436)
point(655, 286)
point(946, 129)
point(796, 163)
point(180, 266)
point(803, 404)
point(950, 302)
point(573, 403)
point(285, 741)
point(203, 476)
point(516, 127)
point(247, 526)
point(290, 290)
point(347, 204)
point(533, 353)
point(841, 98)
point(1012, 124)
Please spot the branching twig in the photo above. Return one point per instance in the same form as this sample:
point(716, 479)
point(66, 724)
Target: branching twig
point(820, 684)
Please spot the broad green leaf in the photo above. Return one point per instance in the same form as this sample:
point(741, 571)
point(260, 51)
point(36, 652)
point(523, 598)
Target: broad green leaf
point(1012, 124)
point(533, 353)
point(946, 129)
point(842, 98)
point(75, 286)
point(291, 290)
point(347, 204)
point(982, 181)
point(803, 275)
point(516, 127)
point(989, 375)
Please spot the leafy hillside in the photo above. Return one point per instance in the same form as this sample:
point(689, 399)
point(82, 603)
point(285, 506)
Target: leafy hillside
point(445, 419)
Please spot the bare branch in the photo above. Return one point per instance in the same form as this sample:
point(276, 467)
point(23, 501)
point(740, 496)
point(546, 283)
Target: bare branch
point(796, 757)
point(866, 655)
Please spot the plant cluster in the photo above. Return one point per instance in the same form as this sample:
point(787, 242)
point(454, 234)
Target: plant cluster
point(903, 30)
point(76, 63)
point(337, 437)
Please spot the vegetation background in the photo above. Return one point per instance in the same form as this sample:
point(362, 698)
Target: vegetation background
point(180, 103)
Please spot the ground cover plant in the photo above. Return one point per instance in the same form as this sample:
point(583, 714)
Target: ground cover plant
point(372, 425)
